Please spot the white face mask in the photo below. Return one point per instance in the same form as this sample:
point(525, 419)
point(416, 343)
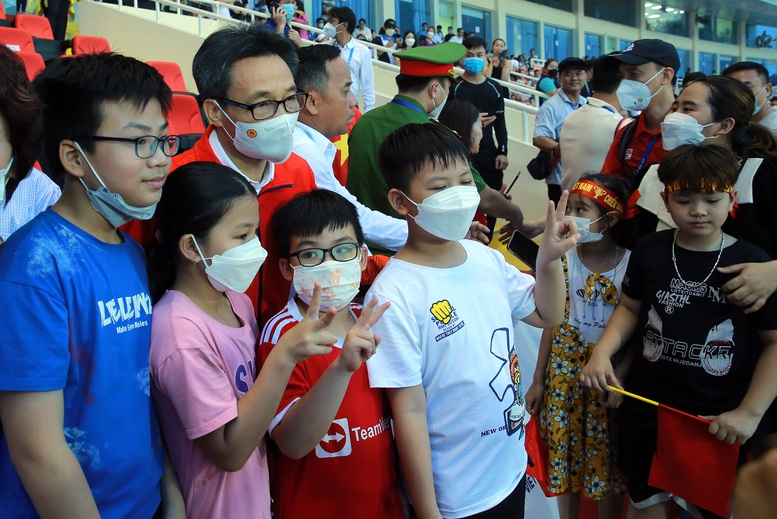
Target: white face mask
point(271, 139)
point(448, 214)
point(678, 129)
point(390, 33)
point(410, 42)
point(235, 268)
point(757, 106)
point(584, 228)
point(112, 205)
point(434, 114)
point(4, 181)
point(636, 96)
point(330, 31)
point(339, 282)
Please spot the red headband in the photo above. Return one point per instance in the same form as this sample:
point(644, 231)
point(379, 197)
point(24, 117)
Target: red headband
point(599, 194)
point(705, 186)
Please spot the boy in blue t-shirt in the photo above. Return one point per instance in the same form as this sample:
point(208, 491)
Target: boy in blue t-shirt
point(79, 435)
point(448, 357)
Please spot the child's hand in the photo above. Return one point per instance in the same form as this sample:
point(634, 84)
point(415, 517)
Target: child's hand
point(735, 426)
point(360, 343)
point(555, 242)
point(613, 400)
point(309, 337)
point(598, 374)
point(534, 396)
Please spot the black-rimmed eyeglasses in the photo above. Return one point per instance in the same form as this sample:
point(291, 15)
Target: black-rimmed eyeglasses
point(145, 146)
point(340, 252)
point(266, 109)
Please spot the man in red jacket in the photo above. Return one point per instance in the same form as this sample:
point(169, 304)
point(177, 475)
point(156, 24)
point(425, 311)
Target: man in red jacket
point(244, 75)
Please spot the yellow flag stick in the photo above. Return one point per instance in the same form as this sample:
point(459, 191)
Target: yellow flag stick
point(632, 395)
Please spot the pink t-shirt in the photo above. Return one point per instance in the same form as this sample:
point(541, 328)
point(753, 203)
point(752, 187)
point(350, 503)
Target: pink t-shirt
point(199, 370)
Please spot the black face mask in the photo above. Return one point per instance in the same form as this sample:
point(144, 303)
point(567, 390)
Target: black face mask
point(553, 73)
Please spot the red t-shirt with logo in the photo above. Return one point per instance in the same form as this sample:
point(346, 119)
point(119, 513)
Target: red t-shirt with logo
point(352, 471)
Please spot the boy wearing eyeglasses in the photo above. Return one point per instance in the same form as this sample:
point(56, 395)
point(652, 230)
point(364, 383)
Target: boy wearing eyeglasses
point(79, 435)
point(331, 428)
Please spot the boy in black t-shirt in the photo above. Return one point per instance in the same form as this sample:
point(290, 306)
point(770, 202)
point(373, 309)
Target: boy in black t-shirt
point(694, 351)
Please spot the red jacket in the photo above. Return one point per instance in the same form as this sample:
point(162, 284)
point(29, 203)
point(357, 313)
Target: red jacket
point(291, 177)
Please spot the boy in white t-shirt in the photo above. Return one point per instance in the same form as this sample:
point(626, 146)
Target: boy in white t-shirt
point(447, 357)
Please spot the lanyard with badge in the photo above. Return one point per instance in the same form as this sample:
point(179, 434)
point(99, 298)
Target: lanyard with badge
point(408, 105)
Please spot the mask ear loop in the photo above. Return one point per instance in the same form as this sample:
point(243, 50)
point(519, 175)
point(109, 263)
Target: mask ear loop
point(228, 118)
point(199, 251)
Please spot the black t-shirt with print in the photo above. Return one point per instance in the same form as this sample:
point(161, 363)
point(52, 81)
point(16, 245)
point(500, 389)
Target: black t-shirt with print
point(692, 349)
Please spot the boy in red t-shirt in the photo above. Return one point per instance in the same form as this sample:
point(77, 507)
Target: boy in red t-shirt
point(333, 453)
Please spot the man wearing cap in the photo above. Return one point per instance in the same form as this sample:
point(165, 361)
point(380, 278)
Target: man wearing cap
point(486, 95)
point(649, 68)
point(551, 116)
point(388, 39)
point(587, 133)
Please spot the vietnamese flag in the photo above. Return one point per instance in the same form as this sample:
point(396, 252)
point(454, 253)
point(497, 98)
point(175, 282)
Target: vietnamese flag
point(539, 458)
point(691, 463)
point(340, 162)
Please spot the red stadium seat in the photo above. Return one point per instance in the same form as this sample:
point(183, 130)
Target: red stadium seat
point(38, 26)
point(172, 73)
point(33, 62)
point(185, 116)
point(16, 39)
point(90, 45)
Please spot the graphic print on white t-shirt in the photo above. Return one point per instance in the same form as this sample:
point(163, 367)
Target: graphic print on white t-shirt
point(446, 319)
point(511, 394)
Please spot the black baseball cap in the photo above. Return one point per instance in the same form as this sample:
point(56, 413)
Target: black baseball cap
point(572, 64)
point(645, 51)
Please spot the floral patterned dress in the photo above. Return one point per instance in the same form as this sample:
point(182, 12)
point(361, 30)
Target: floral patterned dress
point(578, 429)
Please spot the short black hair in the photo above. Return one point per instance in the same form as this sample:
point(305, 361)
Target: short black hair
point(607, 75)
point(473, 42)
point(739, 66)
point(312, 73)
point(415, 84)
point(311, 213)
point(344, 14)
point(408, 149)
point(215, 60)
point(693, 166)
point(74, 90)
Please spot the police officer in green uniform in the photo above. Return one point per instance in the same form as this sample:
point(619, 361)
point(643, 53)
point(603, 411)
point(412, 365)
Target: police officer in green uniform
point(424, 80)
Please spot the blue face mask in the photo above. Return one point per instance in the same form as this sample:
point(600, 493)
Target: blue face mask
point(289, 8)
point(474, 65)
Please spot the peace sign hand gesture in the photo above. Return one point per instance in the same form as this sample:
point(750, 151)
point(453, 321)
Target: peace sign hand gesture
point(309, 337)
point(560, 233)
point(360, 343)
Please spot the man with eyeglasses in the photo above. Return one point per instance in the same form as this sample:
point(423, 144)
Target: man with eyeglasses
point(79, 435)
point(244, 75)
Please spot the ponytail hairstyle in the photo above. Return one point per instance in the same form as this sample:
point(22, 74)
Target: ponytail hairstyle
point(195, 198)
point(622, 231)
point(730, 98)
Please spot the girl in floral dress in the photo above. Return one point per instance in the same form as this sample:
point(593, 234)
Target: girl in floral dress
point(574, 421)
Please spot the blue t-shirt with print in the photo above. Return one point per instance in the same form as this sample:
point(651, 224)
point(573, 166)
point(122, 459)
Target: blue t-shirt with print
point(77, 318)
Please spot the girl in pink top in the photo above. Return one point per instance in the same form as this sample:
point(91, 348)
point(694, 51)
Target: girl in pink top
point(213, 404)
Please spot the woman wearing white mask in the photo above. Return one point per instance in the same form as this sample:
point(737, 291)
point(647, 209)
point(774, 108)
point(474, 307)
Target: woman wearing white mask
point(214, 405)
point(717, 110)
point(25, 190)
